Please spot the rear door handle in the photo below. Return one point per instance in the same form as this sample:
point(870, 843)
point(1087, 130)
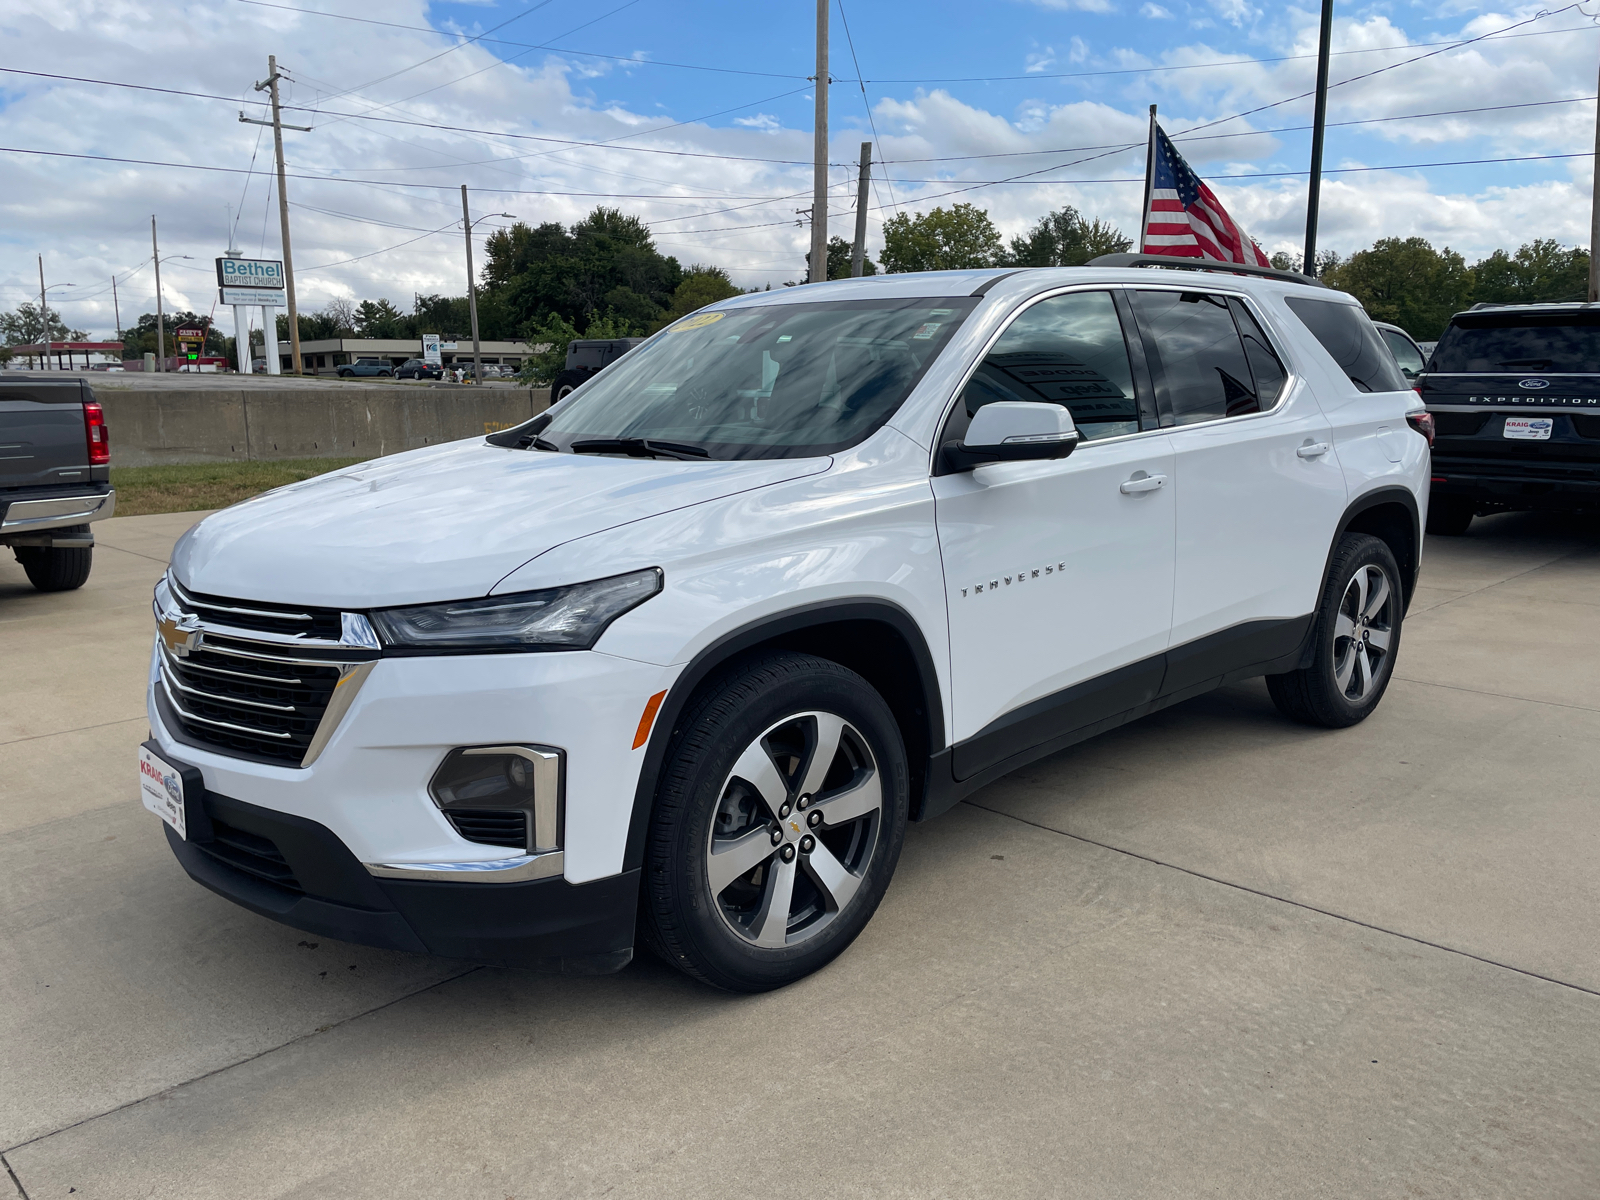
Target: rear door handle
point(1313, 449)
point(1142, 483)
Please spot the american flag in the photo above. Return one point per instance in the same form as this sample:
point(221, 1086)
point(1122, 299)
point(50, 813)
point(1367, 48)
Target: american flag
point(1186, 220)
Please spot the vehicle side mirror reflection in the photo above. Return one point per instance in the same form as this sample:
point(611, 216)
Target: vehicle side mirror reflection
point(1012, 431)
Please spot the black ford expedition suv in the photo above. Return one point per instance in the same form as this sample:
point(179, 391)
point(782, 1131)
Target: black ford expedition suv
point(1515, 395)
point(55, 477)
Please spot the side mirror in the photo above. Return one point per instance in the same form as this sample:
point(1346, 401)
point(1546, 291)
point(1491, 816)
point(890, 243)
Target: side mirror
point(1012, 431)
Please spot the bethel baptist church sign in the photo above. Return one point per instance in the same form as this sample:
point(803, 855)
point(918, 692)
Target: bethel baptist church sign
point(250, 272)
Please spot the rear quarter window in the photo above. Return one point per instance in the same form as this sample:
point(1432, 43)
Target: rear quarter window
point(1347, 333)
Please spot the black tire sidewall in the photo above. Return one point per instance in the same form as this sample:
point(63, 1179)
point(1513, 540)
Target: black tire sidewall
point(687, 928)
point(1355, 552)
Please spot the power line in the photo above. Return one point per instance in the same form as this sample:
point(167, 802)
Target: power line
point(867, 104)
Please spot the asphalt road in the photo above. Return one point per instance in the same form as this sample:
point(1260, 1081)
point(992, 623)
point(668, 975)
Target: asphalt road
point(1208, 954)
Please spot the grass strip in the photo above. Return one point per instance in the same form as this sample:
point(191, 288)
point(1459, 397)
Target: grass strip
point(195, 486)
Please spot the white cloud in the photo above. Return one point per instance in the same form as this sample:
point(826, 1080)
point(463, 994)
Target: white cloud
point(1041, 60)
point(1155, 12)
point(765, 122)
point(1093, 6)
point(1080, 50)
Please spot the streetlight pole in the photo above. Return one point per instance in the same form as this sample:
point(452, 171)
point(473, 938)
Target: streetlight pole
point(472, 287)
point(161, 322)
point(44, 319)
point(1319, 123)
point(1594, 216)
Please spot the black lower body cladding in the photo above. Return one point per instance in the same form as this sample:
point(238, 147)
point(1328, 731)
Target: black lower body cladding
point(298, 872)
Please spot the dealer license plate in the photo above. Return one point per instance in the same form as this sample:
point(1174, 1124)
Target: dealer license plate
point(1529, 429)
point(161, 789)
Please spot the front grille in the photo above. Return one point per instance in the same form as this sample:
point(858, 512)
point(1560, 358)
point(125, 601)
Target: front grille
point(259, 682)
point(250, 853)
point(491, 826)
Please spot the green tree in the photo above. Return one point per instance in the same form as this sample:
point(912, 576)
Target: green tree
point(22, 327)
point(947, 239)
point(839, 260)
point(381, 319)
point(701, 286)
point(1407, 282)
point(1064, 239)
point(1540, 271)
point(140, 338)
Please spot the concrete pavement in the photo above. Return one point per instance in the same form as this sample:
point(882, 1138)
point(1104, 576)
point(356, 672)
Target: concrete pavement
point(1210, 953)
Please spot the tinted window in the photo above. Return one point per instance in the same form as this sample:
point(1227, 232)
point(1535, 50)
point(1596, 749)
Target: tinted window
point(1265, 364)
point(768, 381)
point(1405, 352)
point(1200, 362)
point(1513, 343)
point(1066, 350)
point(1347, 333)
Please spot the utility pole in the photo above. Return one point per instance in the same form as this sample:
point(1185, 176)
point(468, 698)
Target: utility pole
point(858, 249)
point(1319, 122)
point(116, 309)
point(270, 85)
point(819, 186)
point(472, 291)
point(1594, 216)
point(161, 323)
point(44, 319)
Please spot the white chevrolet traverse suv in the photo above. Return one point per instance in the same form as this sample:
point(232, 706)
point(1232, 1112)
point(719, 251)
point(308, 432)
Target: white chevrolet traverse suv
point(679, 658)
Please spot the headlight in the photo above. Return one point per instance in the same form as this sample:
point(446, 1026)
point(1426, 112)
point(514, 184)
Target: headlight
point(567, 618)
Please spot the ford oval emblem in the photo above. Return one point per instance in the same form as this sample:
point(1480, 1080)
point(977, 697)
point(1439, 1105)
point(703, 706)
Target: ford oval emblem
point(1533, 385)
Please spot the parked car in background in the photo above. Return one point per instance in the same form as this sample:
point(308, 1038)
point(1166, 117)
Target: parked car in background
point(416, 368)
point(686, 651)
point(1427, 349)
point(55, 478)
point(258, 366)
point(586, 358)
point(1514, 390)
point(367, 367)
point(1407, 353)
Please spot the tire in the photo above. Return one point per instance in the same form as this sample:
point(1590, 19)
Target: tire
point(1449, 516)
point(565, 384)
point(387, 374)
point(57, 568)
point(345, 374)
point(1352, 659)
point(742, 756)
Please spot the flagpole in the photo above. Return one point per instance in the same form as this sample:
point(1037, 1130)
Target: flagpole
point(1319, 122)
point(1149, 179)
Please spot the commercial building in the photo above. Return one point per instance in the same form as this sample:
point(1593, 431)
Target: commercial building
point(326, 355)
point(63, 356)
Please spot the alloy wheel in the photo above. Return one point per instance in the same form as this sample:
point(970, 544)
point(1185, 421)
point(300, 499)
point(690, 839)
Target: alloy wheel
point(795, 827)
point(1363, 633)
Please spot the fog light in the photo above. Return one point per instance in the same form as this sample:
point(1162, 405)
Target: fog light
point(502, 795)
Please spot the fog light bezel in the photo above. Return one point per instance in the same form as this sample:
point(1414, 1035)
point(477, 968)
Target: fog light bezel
point(545, 810)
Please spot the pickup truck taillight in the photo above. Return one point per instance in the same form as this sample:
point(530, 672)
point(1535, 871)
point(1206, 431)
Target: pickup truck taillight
point(1422, 422)
point(94, 427)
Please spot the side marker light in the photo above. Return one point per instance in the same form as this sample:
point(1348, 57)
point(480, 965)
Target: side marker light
point(648, 718)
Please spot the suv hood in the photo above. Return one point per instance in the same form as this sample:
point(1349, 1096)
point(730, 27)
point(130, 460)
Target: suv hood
point(444, 523)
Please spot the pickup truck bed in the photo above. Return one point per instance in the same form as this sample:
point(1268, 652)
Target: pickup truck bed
point(55, 477)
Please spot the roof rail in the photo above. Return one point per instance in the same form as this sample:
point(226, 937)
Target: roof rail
point(1200, 264)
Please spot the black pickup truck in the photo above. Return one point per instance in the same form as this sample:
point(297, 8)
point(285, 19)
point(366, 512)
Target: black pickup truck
point(55, 477)
point(1515, 395)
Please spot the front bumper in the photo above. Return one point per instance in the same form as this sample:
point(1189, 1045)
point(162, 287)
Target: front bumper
point(296, 871)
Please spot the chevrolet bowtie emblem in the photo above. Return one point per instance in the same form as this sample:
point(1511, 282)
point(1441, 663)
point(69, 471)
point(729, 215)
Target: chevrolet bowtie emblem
point(795, 825)
point(177, 636)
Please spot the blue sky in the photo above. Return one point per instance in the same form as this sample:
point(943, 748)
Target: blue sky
point(947, 83)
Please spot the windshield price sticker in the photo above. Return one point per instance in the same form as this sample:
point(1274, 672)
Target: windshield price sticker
point(161, 790)
point(1529, 429)
point(697, 322)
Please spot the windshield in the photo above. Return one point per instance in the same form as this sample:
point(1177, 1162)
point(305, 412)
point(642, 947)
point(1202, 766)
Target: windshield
point(769, 381)
point(1549, 342)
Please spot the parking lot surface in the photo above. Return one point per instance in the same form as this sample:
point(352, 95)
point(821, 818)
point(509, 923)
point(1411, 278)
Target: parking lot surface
point(1211, 953)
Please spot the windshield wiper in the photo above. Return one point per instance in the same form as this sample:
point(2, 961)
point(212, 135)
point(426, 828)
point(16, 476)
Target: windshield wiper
point(639, 448)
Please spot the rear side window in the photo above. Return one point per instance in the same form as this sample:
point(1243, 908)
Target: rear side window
point(1557, 343)
point(1405, 352)
point(1066, 350)
point(1201, 370)
point(1347, 333)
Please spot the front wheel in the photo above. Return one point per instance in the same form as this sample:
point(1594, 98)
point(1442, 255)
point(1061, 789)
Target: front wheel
point(777, 825)
point(564, 385)
point(1355, 636)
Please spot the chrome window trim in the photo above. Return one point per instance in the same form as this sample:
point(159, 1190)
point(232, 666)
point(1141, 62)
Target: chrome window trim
point(1292, 377)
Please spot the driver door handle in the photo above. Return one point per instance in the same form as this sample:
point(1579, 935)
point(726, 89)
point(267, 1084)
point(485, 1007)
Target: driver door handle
point(1313, 449)
point(1142, 483)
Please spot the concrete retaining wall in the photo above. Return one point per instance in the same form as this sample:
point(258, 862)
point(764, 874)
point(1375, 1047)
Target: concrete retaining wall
point(152, 426)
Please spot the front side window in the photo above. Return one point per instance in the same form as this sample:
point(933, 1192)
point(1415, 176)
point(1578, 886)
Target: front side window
point(1200, 361)
point(769, 381)
point(1066, 350)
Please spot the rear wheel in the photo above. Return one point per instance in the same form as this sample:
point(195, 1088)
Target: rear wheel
point(57, 568)
point(777, 826)
point(1449, 516)
point(1356, 634)
point(564, 385)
